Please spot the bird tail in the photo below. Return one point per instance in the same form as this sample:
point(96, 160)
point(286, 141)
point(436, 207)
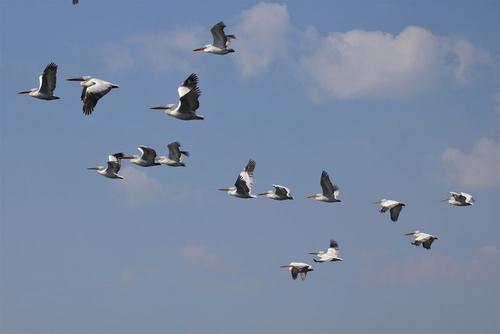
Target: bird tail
point(186, 153)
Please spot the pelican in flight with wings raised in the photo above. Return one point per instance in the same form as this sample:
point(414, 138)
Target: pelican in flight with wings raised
point(188, 101)
point(423, 239)
point(279, 193)
point(175, 156)
point(297, 268)
point(111, 171)
point(330, 191)
point(146, 159)
point(331, 255)
point(93, 90)
point(394, 207)
point(220, 43)
point(47, 85)
point(244, 183)
point(459, 199)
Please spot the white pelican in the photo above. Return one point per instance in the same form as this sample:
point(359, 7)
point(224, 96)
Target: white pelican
point(175, 156)
point(331, 255)
point(188, 101)
point(93, 90)
point(244, 183)
point(47, 85)
point(221, 41)
point(394, 207)
point(330, 191)
point(423, 239)
point(459, 199)
point(113, 167)
point(298, 267)
point(147, 158)
point(280, 193)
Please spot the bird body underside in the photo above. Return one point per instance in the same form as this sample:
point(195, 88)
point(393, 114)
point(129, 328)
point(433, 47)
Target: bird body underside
point(185, 116)
point(168, 162)
point(323, 198)
point(46, 97)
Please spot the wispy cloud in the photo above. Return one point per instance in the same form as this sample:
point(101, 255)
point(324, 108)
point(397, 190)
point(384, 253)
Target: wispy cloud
point(262, 37)
point(127, 277)
point(139, 189)
point(165, 51)
point(479, 168)
point(200, 256)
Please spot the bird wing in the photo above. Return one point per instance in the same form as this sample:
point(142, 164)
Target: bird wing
point(189, 101)
point(467, 197)
point(188, 84)
point(458, 197)
point(148, 154)
point(280, 190)
point(91, 95)
point(48, 79)
point(395, 210)
point(427, 244)
point(303, 275)
point(220, 38)
point(334, 244)
point(113, 164)
point(244, 183)
point(329, 189)
point(294, 272)
point(174, 153)
point(75, 2)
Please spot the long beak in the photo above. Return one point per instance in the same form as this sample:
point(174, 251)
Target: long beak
point(158, 108)
point(377, 202)
point(127, 158)
point(312, 196)
point(93, 168)
point(314, 253)
point(262, 194)
point(285, 266)
point(444, 200)
point(410, 233)
point(199, 49)
point(76, 79)
point(24, 92)
point(223, 189)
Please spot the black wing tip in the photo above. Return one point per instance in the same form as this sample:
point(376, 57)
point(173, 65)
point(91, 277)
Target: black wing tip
point(324, 173)
point(251, 164)
point(119, 155)
point(52, 65)
point(334, 244)
point(87, 110)
point(192, 79)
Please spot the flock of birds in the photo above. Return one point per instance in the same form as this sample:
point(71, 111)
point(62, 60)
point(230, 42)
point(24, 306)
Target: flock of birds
point(186, 109)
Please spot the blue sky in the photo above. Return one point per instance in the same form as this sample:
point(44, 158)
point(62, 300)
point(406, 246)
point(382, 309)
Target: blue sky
point(394, 99)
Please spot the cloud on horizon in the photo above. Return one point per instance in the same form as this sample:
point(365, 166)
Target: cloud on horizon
point(479, 168)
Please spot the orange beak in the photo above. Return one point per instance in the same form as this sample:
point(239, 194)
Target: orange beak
point(199, 49)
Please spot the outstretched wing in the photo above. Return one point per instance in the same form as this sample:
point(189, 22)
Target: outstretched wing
point(427, 244)
point(244, 183)
point(188, 84)
point(281, 191)
point(148, 154)
point(458, 197)
point(174, 153)
point(90, 96)
point(189, 101)
point(329, 189)
point(219, 36)
point(303, 275)
point(294, 271)
point(114, 162)
point(395, 210)
point(48, 79)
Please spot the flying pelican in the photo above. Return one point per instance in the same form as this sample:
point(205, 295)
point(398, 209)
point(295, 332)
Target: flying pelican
point(47, 85)
point(221, 41)
point(93, 90)
point(175, 156)
point(280, 193)
point(244, 183)
point(188, 101)
point(298, 267)
point(331, 255)
point(394, 207)
point(113, 167)
point(459, 199)
point(147, 158)
point(330, 191)
point(423, 239)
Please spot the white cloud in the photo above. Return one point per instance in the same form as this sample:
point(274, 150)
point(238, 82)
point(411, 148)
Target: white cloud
point(138, 188)
point(362, 63)
point(488, 250)
point(165, 51)
point(479, 168)
point(199, 255)
point(262, 37)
